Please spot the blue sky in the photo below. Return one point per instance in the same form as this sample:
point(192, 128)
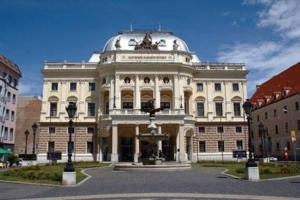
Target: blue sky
point(264, 34)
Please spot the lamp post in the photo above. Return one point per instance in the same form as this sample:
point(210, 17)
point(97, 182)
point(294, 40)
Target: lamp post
point(71, 110)
point(252, 172)
point(26, 139)
point(34, 128)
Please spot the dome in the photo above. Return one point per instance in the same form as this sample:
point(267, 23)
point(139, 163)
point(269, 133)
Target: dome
point(129, 40)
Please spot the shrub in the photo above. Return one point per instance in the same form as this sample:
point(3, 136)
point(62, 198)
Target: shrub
point(266, 171)
point(13, 159)
point(240, 170)
point(56, 177)
point(284, 170)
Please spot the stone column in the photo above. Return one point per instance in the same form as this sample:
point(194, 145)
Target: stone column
point(117, 92)
point(159, 143)
point(111, 94)
point(176, 98)
point(137, 144)
point(182, 149)
point(114, 153)
point(157, 92)
point(137, 93)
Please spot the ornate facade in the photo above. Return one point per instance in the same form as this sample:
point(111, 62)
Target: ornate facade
point(202, 101)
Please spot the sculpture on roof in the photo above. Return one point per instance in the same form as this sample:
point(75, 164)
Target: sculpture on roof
point(117, 44)
point(146, 44)
point(175, 45)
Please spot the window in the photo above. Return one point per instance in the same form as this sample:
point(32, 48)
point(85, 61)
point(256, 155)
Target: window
point(90, 147)
point(166, 80)
point(275, 112)
point(200, 109)
point(51, 129)
point(5, 133)
point(277, 146)
point(127, 80)
point(298, 125)
point(12, 116)
point(73, 86)
point(7, 114)
point(266, 115)
point(8, 96)
point(51, 146)
point(288, 145)
point(165, 105)
point(15, 82)
point(297, 105)
point(91, 130)
point(199, 87)
point(219, 109)
point(239, 144)
point(103, 81)
point(201, 129)
point(285, 110)
point(221, 146)
point(127, 105)
point(286, 127)
point(258, 118)
point(237, 109)
point(54, 86)
point(217, 86)
point(235, 87)
point(53, 109)
point(202, 146)
point(9, 79)
point(276, 129)
point(92, 86)
point(14, 99)
point(11, 134)
point(146, 80)
point(220, 129)
point(238, 129)
point(91, 109)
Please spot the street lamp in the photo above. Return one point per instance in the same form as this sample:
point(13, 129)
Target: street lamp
point(34, 128)
point(71, 110)
point(26, 139)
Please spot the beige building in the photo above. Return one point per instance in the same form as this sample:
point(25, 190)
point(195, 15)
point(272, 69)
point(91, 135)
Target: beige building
point(277, 108)
point(203, 101)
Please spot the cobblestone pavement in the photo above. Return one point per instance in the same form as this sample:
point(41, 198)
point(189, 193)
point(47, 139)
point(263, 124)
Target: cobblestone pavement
point(193, 181)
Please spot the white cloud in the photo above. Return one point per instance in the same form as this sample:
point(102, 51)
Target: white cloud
point(25, 88)
point(264, 59)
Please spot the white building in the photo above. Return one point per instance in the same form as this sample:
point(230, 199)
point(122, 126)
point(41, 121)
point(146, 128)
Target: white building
point(203, 101)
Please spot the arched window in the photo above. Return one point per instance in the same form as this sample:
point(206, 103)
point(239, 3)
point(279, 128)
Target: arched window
point(162, 43)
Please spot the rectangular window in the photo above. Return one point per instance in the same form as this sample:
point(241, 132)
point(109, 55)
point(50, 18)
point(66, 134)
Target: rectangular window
point(288, 145)
point(11, 134)
point(258, 118)
point(92, 87)
point(220, 129)
point(12, 116)
point(200, 109)
point(53, 109)
point(298, 125)
point(91, 130)
point(219, 109)
point(5, 133)
point(127, 105)
point(221, 146)
point(7, 114)
point(90, 147)
point(14, 99)
point(51, 129)
point(201, 129)
point(15, 82)
point(202, 146)
point(286, 127)
point(237, 109)
point(275, 112)
point(297, 105)
point(51, 146)
point(199, 87)
point(238, 129)
point(8, 96)
point(54, 86)
point(73, 86)
point(276, 129)
point(218, 87)
point(285, 109)
point(91, 109)
point(277, 146)
point(239, 144)
point(144, 105)
point(165, 105)
point(235, 87)
point(266, 115)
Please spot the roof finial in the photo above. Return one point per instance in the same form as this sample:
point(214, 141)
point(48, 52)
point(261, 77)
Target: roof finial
point(159, 27)
point(131, 29)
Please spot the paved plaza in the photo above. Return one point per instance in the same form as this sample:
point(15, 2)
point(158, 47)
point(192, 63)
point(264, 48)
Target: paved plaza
point(196, 183)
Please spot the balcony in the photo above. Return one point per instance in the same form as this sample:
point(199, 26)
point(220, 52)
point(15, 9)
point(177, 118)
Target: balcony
point(139, 112)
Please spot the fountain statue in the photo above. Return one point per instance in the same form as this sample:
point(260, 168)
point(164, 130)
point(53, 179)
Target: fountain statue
point(153, 137)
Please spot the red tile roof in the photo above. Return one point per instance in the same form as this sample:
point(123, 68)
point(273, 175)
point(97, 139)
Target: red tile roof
point(274, 89)
point(5, 61)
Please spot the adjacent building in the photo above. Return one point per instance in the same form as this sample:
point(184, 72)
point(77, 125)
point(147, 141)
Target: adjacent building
point(9, 84)
point(277, 111)
point(28, 113)
point(202, 101)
